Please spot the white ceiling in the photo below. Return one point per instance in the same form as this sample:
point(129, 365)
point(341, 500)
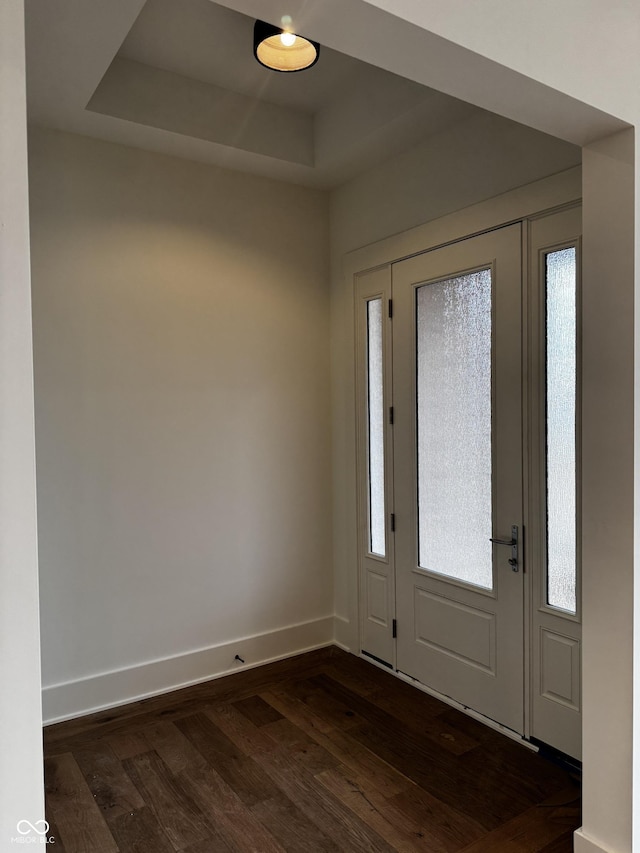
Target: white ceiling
point(179, 76)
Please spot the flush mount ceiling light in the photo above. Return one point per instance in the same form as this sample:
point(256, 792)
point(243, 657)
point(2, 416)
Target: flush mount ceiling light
point(279, 49)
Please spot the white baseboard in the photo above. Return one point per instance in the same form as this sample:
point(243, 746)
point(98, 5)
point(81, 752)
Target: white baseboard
point(583, 844)
point(119, 687)
point(341, 629)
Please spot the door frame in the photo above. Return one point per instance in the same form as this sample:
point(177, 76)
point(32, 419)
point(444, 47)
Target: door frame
point(541, 198)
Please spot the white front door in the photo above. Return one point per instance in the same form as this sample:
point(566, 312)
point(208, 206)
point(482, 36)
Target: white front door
point(458, 472)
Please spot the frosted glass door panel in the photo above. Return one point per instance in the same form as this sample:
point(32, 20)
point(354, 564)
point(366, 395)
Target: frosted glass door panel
point(457, 455)
point(561, 428)
point(454, 428)
point(375, 414)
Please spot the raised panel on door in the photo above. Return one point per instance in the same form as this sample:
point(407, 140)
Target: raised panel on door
point(457, 373)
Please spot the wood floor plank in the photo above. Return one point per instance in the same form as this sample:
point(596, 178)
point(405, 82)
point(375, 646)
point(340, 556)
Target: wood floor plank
point(174, 748)
point(562, 844)
point(360, 675)
point(213, 844)
point(257, 710)
point(515, 773)
point(225, 811)
point(180, 817)
point(376, 812)
point(112, 789)
point(295, 710)
point(245, 735)
point(138, 831)
point(241, 772)
point(293, 829)
point(425, 812)
point(128, 744)
point(358, 679)
point(569, 797)
point(420, 716)
point(345, 749)
point(302, 747)
point(54, 833)
point(248, 779)
point(208, 739)
point(324, 704)
point(229, 815)
point(382, 710)
point(79, 822)
point(372, 683)
point(447, 780)
point(483, 735)
point(382, 775)
point(320, 806)
point(529, 832)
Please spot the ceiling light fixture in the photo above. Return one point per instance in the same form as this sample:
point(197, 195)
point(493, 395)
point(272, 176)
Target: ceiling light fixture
point(280, 49)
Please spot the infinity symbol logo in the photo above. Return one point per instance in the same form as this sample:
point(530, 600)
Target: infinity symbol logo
point(30, 827)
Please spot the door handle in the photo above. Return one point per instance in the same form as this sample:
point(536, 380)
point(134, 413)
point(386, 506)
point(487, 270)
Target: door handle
point(513, 544)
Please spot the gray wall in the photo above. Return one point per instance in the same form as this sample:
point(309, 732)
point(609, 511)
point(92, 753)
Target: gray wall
point(181, 339)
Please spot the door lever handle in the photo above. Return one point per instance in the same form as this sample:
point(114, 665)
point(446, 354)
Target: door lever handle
point(513, 544)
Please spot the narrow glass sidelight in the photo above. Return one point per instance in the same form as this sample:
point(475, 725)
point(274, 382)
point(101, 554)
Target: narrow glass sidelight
point(561, 379)
point(375, 430)
point(454, 428)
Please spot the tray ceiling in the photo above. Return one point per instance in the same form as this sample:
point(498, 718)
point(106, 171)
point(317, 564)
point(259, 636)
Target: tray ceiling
point(179, 76)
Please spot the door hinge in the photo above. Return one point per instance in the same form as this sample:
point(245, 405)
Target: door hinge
point(390, 309)
point(394, 629)
point(391, 415)
point(393, 522)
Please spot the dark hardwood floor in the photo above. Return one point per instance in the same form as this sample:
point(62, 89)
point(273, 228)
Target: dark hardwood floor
point(323, 752)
